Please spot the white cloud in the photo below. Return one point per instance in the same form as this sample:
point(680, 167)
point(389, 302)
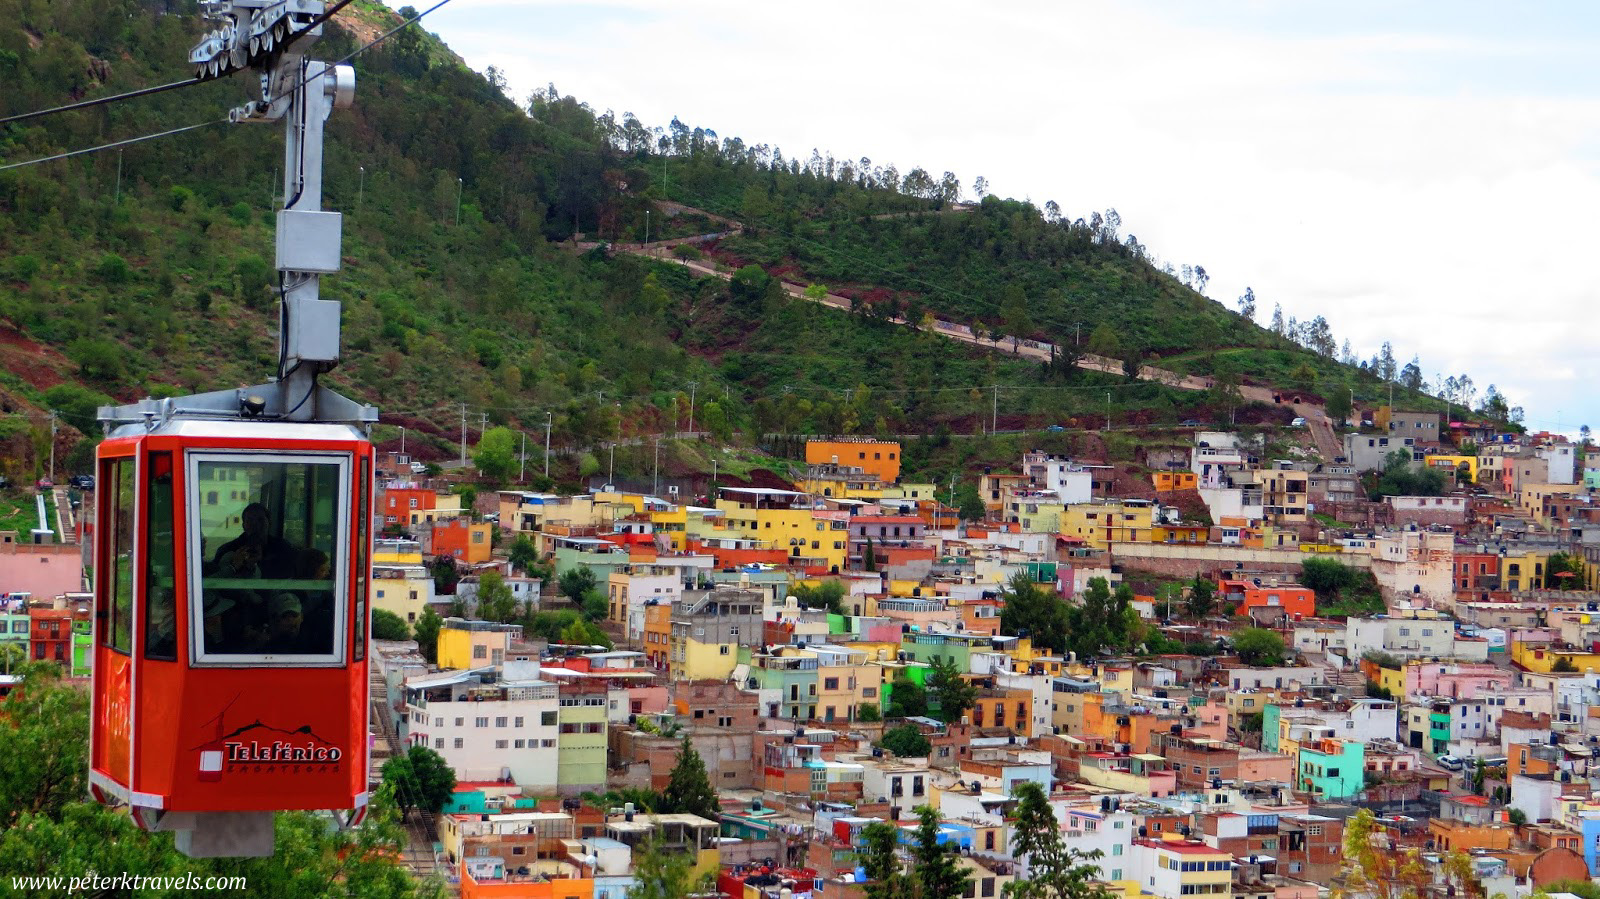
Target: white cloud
point(1372, 178)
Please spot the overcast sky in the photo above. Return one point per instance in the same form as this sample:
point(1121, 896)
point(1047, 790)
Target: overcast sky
point(1423, 173)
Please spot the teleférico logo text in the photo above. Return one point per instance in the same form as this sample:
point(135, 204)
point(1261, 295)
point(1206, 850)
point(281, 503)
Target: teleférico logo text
point(279, 751)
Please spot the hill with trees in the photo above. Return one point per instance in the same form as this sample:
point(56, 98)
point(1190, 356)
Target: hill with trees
point(145, 271)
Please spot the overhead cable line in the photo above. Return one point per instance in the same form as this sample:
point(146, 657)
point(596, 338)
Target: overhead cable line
point(111, 146)
point(100, 101)
point(134, 140)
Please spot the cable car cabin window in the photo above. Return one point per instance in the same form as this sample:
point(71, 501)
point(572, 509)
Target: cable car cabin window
point(117, 478)
point(269, 586)
point(160, 569)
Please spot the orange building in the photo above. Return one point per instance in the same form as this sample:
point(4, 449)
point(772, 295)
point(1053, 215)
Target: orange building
point(1297, 601)
point(524, 887)
point(1003, 708)
point(879, 457)
point(400, 502)
point(462, 540)
point(50, 635)
point(658, 634)
point(1175, 480)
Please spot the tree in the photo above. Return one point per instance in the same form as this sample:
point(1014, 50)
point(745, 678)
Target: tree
point(868, 712)
point(1258, 647)
point(1328, 578)
point(907, 742)
point(1014, 313)
point(878, 860)
point(496, 454)
point(907, 698)
point(659, 874)
point(445, 575)
point(1564, 665)
point(1055, 871)
point(969, 505)
point(575, 582)
point(594, 605)
point(1104, 341)
point(1411, 375)
point(1564, 571)
point(1372, 868)
point(44, 739)
point(954, 693)
point(1338, 405)
point(495, 600)
point(869, 559)
point(1247, 304)
point(523, 554)
point(935, 864)
point(421, 779)
point(1202, 599)
point(688, 789)
point(427, 634)
point(826, 595)
point(386, 625)
point(1027, 608)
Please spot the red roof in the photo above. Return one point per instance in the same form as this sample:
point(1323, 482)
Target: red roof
point(1182, 848)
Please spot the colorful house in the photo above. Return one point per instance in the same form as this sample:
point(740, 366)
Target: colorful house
point(1331, 768)
point(463, 540)
point(880, 457)
point(1295, 600)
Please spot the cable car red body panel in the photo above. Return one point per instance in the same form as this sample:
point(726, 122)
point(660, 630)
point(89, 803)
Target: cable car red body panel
point(178, 724)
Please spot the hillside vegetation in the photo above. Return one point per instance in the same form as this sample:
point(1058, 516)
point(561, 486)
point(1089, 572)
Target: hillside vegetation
point(147, 271)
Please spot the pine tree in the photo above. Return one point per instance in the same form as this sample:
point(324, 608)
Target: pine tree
point(689, 789)
point(1054, 870)
point(937, 871)
point(878, 861)
point(869, 561)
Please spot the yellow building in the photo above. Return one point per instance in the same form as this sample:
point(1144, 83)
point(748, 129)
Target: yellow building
point(673, 523)
point(1450, 464)
point(846, 681)
point(1531, 497)
point(784, 519)
point(910, 493)
point(400, 583)
point(1523, 570)
point(1103, 523)
point(1542, 657)
point(1034, 511)
point(841, 482)
point(1285, 494)
point(474, 644)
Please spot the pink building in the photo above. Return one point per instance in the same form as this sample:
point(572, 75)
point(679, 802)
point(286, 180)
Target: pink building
point(45, 571)
point(1455, 680)
point(1269, 767)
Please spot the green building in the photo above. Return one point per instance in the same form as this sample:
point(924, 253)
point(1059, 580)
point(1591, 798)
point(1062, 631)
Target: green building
point(1331, 768)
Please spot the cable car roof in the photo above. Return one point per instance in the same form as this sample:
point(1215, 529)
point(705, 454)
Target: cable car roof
point(235, 429)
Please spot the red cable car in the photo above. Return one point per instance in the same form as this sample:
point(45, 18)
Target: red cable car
point(232, 538)
point(230, 670)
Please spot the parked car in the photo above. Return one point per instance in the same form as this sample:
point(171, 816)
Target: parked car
point(1297, 423)
point(418, 468)
point(45, 484)
point(1450, 763)
point(82, 481)
point(1055, 428)
point(1192, 423)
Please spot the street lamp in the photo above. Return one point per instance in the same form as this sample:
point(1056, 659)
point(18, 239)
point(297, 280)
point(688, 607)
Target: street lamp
point(361, 192)
point(460, 186)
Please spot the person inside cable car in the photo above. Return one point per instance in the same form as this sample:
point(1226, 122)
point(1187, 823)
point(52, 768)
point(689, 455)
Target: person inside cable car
point(316, 570)
point(257, 552)
point(218, 605)
point(283, 627)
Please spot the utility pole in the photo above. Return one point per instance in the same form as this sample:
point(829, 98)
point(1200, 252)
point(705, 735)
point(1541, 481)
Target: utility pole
point(52, 446)
point(118, 198)
point(692, 386)
point(463, 435)
point(646, 229)
point(522, 468)
point(402, 440)
point(1108, 410)
point(655, 486)
point(548, 420)
point(460, 186)
point(361, 191)
point(994, 413)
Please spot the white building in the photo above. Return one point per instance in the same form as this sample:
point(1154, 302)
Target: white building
point(1072, 482)
point(488, 728)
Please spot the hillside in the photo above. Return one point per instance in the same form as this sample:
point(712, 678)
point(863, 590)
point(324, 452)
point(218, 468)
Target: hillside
point(145, 271)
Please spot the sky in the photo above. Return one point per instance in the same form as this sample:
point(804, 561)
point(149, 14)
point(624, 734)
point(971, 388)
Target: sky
point(1426, 173)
